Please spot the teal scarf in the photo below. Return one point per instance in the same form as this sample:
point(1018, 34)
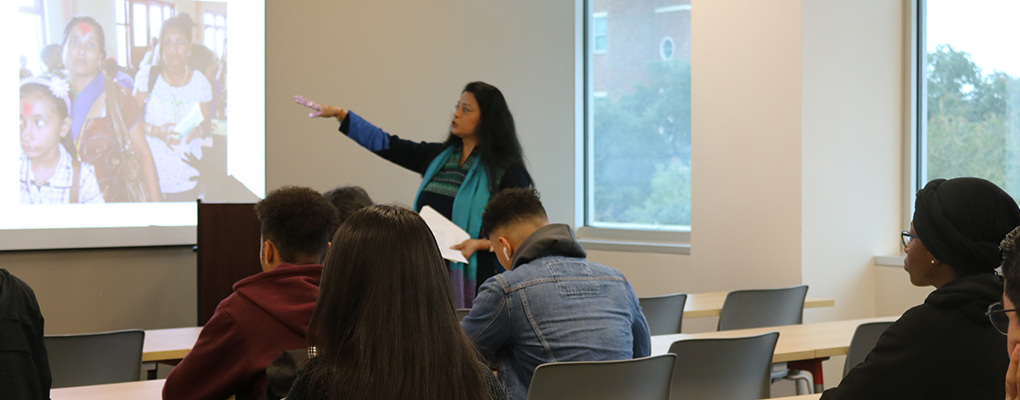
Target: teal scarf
point(468, 204)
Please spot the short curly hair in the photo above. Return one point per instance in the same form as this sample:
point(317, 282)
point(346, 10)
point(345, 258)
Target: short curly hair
point(510, 206)
point(348, 199)
point(299, 221)
point(1010, 248)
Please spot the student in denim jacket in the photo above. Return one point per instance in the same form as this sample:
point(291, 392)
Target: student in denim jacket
point(553, 304)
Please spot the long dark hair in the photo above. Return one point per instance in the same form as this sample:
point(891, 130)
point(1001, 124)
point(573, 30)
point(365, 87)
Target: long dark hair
point(498, 147)
point(384, 325)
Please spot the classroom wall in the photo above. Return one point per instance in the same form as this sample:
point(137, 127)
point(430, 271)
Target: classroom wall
point(108, 289)
point(402, 66)
point(786, 93)
point(852, 135)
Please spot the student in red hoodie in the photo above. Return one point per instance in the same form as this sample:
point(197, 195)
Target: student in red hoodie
point(268, 312)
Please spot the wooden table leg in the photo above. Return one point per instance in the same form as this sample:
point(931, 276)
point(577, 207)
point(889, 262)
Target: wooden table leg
point(814, 367)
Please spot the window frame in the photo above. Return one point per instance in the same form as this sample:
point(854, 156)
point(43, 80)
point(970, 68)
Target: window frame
point(594, 35)
point(214, 28)
point(668, 241)
point(37, 9)
point(167, 10)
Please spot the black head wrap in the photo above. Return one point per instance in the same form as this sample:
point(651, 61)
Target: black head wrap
point(961, 221)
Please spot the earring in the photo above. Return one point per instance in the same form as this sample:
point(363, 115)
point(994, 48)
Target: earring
point(932, 262)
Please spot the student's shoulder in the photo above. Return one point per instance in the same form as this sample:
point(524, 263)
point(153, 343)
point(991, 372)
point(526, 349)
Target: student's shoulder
point(920, 322)
point(605, 270)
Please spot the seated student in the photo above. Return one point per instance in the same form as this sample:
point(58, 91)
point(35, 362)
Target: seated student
point(24, 365)
point(384, 326)
point(49, 175)
point(552, 304)
point(268, 312)
point(348, 199)
point(1003, 315)
point(945, 348)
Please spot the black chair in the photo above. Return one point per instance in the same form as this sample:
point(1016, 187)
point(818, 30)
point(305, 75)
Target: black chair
point(865, 338)
point(664, 314)
point(638, 379)
point(725, 369)
point(95, 358)
point(761, 308)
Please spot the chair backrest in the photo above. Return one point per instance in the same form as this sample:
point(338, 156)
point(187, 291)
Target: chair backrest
point(95, 358)
point(665, 314)
point(726, 369)
point(638, 379)
point(760, 308)
point(865, 338)
point(462, 312)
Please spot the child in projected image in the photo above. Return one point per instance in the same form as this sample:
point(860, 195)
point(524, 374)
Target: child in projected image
point(49, 175)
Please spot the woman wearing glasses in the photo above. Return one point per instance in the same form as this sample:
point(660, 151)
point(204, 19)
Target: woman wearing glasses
point(945, 348)
point(1003, 314)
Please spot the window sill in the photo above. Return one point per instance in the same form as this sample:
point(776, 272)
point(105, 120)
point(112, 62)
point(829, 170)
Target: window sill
point(889, 261)
point(636, 247)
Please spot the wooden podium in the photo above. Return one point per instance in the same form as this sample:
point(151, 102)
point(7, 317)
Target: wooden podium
point(228, 251)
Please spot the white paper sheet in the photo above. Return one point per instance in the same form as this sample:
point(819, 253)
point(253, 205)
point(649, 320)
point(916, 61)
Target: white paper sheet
point(446, 232)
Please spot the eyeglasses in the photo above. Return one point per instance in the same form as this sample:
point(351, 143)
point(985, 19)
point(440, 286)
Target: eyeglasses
point(905, 237)
point(1000, 321)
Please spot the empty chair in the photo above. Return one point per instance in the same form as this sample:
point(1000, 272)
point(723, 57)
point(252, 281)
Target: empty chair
point(865, 338)
point(760, 308)
point(638, 379)
point(95, 358)
point(665, 314)
point(462, 312)
point(725, 369)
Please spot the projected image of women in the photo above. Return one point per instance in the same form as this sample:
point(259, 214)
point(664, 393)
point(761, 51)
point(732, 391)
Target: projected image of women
point(104, 128)
point(177, 110)
point(148, 91)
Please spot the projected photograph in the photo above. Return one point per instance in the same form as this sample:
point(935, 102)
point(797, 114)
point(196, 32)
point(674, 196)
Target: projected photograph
point(124, 101)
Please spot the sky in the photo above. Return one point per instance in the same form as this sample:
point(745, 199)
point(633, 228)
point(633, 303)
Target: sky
point(987, 29)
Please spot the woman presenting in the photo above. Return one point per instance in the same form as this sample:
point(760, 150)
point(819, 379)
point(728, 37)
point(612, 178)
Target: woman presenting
point(480, 157)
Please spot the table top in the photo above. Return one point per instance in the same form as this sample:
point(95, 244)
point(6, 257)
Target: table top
point(175, 343)
point(139, 390)
point(796, 342)
point(143, 390)
point(169, 344)
point(709, 304)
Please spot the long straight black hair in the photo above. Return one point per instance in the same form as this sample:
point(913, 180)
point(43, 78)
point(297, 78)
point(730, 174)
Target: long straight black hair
point(498, 147)
point(384, 325)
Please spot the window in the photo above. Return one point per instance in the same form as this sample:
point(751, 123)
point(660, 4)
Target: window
point(30, 20)
point(638, 113)
point(215, 32)
point(599, 33)
point(123, 49)
point(969, 92)
point(138, 21)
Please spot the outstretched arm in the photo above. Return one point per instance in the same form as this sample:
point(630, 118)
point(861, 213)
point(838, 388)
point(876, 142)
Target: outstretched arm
point(412, 155)
point(322, 110)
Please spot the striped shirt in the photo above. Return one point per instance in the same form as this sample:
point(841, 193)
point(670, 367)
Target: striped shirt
point(447, 181)
point(58, 189)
